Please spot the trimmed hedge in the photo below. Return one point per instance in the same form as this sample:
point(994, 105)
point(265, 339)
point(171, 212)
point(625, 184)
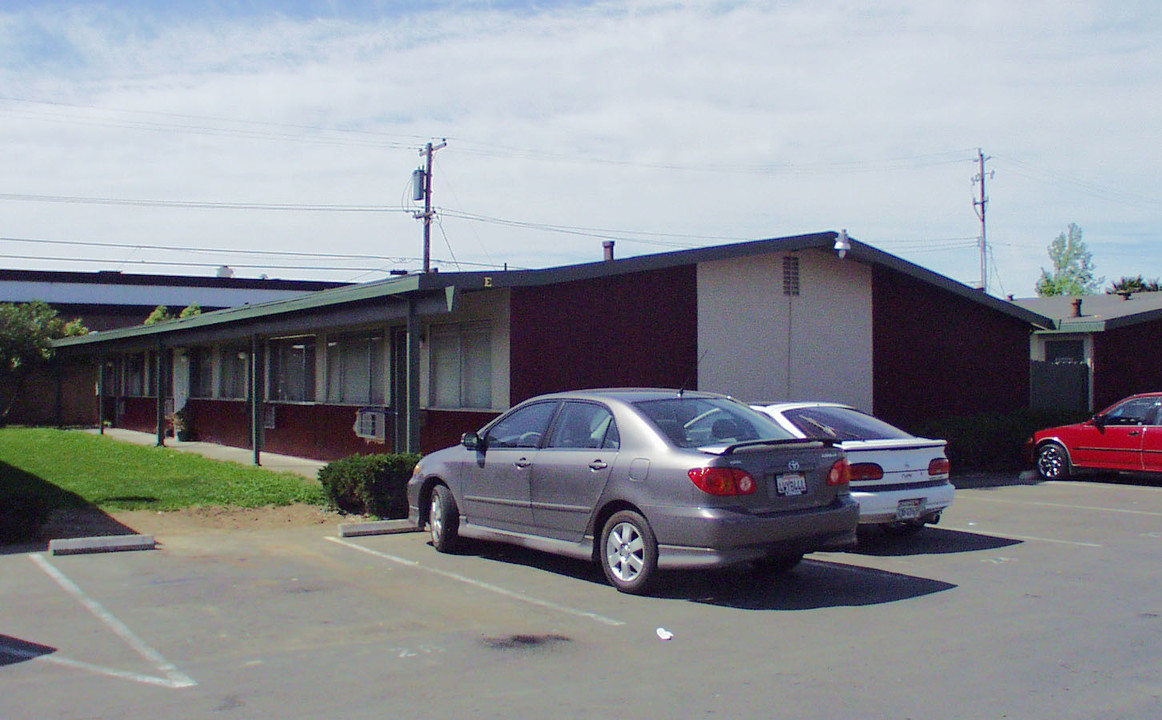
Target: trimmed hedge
point(370, 484)
point(992, 441)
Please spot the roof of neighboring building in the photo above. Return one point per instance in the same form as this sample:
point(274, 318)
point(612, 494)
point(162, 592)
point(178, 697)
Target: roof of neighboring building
point(1098, 312)
point(116, 288)
point(388, 299)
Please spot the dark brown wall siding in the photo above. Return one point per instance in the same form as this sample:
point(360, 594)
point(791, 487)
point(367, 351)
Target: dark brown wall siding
point(223, 422)
point(441, 429)
point(320, 432)
point(75, 404)
point(630, 330)
point(936, 355)
point(1126, 361)
point(137, 413)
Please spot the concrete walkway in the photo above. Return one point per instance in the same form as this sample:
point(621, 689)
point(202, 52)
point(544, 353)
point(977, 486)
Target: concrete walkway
point(243, 456)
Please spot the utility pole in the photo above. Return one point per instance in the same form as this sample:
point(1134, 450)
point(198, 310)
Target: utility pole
point(422, 190)
point(979, 204)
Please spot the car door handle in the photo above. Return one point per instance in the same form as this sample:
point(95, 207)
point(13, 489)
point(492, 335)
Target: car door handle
point(598, 465)
point(1134, 432)
point(523, 463)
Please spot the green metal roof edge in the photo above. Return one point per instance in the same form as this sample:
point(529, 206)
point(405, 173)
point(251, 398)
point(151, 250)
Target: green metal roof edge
point(307, 301)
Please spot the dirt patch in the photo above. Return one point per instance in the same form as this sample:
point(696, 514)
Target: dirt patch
point(90, 522)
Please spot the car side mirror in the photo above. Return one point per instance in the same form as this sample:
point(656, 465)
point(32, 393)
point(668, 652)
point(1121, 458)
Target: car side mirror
point(472, 441)
point(1099, 421)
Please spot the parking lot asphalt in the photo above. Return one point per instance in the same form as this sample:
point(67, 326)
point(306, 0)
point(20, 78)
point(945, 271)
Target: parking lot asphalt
point(1029, 601)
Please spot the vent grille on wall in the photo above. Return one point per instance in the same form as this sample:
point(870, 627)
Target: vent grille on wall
point(790, 275)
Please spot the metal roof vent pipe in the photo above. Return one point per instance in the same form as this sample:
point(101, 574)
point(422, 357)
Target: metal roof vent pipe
point(607, 245)
point(1076, 307)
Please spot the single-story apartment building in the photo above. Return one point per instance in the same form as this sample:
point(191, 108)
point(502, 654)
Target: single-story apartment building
point(1100, 349)
point(412, 362)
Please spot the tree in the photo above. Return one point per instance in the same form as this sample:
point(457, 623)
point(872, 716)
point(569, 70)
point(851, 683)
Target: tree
point(161, 313)
point(1073, 268)
point(1129, 284)
point(26, 334)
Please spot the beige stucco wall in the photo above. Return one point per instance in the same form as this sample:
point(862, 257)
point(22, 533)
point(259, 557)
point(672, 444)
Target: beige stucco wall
point(756, 343)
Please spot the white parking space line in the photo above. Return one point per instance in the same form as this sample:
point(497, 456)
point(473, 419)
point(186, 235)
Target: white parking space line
point(1010, 536)
point(173, 677)
point(481, 585)
point(1061, 505)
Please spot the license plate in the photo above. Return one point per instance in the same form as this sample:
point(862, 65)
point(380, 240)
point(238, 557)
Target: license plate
point(910, 509)
point(791, 484)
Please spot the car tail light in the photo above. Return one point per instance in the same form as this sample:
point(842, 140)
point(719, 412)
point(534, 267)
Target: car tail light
point(840, 473)
point(939, 466)
point(723, 481)
point(866, 471)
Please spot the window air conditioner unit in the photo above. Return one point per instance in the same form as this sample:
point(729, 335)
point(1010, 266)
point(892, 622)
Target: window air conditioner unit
point(371, 424)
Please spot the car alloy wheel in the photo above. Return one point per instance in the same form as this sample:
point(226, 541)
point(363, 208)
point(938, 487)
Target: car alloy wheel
point(629, 552)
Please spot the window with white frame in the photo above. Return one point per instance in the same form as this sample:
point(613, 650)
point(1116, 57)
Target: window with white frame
point(356, 369)
point(461, 366)
point(292, 369)
point(233, 370)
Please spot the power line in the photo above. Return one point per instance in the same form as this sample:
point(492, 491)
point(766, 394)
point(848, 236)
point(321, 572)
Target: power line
point(219, 251)
point(199, 204)
point(251, 266)
point(1102, 192)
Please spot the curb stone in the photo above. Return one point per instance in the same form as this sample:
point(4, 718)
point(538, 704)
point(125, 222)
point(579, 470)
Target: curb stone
point(103, 543)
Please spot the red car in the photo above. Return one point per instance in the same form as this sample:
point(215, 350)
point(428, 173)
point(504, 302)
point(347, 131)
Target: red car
point(1127, 436)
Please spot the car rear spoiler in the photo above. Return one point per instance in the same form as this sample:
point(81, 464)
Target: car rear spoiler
point(733, 447)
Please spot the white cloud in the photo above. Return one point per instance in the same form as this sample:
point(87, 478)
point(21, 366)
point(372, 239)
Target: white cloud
point(728, 119)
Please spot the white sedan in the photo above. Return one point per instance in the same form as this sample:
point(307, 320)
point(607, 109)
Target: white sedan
point(900, 481)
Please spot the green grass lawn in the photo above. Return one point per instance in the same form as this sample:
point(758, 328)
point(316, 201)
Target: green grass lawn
point(70, 469)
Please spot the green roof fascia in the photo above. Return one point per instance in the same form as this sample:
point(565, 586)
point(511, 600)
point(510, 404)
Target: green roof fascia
point(394, 287)
point(1089, 326)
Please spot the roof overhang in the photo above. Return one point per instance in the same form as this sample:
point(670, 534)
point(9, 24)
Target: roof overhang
point(372, 303)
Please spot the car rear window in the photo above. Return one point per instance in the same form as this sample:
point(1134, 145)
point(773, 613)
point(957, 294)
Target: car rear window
point(691, 422)
point(842, 424)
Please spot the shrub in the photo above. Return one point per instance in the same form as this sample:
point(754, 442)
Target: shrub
point(992, 441)
point(370, 484)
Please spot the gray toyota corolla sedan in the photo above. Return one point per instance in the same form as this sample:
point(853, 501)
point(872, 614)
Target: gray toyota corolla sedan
point(639, 480)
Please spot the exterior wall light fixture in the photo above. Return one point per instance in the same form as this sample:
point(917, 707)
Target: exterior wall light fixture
point(842, 244)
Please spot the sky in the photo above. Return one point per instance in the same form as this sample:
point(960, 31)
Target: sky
point(279, 137)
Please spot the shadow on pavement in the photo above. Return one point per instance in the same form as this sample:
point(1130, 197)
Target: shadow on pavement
point(34, 511)
point(813, 584)
point(14, 650)
point(929, 541)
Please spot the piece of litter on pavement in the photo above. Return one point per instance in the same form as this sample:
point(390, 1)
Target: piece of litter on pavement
point(665, 634)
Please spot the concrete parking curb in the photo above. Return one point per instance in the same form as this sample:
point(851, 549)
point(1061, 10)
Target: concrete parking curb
point(376, 527)
point(104, 543)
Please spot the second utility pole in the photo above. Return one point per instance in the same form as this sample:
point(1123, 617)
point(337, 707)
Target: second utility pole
point(979, 206)
point(428, 150)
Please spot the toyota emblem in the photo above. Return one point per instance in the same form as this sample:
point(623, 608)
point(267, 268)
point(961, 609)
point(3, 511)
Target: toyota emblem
point(793, 465)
